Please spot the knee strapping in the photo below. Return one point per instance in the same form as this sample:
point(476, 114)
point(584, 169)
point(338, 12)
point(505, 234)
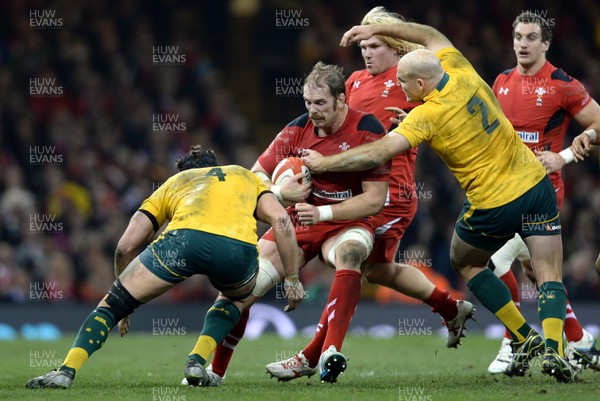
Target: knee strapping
point(359, 235)
point(121, 302)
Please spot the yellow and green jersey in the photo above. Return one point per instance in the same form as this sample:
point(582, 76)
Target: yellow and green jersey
point(463, 122)
point(219, 200)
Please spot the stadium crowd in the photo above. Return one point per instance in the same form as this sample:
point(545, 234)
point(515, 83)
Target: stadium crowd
point(98, 99)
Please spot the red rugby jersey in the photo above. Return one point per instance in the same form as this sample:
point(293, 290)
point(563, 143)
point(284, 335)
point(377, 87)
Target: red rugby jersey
point(372, 93)
point(328, 188)
point(541, 106)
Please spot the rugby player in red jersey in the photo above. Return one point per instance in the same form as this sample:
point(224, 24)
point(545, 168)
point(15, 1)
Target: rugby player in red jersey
point(331, 220)
point(375, 90)
point(540, 100)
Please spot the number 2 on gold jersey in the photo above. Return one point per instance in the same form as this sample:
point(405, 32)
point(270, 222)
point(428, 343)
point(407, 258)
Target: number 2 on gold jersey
point(471, 107)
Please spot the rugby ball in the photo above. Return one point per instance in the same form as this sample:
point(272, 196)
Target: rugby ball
point(289, 167)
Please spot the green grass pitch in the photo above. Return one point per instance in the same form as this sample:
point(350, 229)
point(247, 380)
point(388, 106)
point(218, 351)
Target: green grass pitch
point(404, 368)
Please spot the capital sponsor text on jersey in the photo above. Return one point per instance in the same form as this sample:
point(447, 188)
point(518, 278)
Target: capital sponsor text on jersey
point(529, 137)
point(337, 195)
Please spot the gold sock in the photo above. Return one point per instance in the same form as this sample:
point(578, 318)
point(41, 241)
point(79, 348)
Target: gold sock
point(510, 316)
point(204, 347)
point(553, 330)
point(76, 358)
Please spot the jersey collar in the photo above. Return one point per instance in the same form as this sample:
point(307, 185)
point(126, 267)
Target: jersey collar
point(443, 82)
point(441, 85)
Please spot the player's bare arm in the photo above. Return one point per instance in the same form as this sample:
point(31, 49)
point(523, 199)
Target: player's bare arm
point(139, 232)
point(581, 145)
point(424, 35)
point(588, 117)
point(361, 158)
point(268, 210)
point(366, 204)
point(292, 191)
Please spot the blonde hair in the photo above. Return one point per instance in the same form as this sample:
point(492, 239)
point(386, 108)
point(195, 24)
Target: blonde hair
point(379, 16)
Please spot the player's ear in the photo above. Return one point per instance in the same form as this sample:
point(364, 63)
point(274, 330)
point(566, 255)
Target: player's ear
point(546, 45)
point(341, 98)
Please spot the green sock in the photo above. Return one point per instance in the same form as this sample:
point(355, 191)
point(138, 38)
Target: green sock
point(552, 302)
point(218, 322)
point(495, 296)
point(92, 335)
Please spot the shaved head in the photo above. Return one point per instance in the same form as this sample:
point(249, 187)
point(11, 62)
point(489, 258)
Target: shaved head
point(421, 63)
point(418, 73)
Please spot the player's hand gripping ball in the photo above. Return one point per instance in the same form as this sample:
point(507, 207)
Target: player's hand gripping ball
point(289, 167)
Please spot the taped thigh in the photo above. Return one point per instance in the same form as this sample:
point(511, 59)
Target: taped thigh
point(504, 257)
point(267, 277)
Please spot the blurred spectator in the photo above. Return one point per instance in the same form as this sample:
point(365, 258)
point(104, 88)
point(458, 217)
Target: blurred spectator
point(11, 278)
point(581, 282)
point(17, 203)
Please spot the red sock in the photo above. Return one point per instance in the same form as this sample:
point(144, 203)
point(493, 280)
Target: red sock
point(225, 349)
point(441, 302)
point(510, 280)
point(573, 330)
point(312, 351)
point(342, 302)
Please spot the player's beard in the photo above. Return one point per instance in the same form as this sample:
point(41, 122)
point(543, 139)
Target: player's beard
point(317, 120)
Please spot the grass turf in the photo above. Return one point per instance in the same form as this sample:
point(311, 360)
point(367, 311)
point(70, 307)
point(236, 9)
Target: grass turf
point(404, 368)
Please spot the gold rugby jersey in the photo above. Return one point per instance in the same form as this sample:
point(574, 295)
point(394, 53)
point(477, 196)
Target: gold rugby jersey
point(219, 200)
point(463, 122)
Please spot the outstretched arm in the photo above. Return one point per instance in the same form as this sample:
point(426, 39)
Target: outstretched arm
point(360, 158)
point(424, 35)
